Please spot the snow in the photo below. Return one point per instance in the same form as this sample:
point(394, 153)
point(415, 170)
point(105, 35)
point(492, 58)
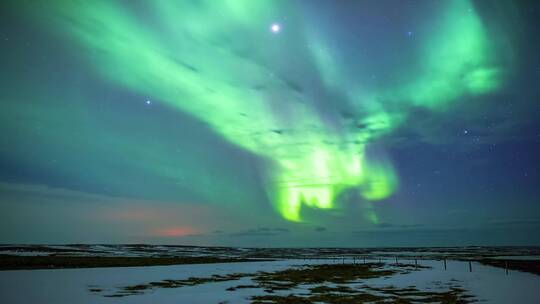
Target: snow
point(72, 285)
point(488, 284)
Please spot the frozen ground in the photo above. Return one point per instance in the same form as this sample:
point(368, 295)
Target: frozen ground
point(519, 257)
point(487, 284)
point(73, 285)
point(141, 250)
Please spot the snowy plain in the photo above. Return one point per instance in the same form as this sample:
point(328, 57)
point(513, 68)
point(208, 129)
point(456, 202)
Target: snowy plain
point(486, 283)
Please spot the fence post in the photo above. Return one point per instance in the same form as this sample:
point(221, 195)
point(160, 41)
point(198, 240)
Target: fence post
point(470, 266)
point(415, 263)
point(506, 266)
point(444, 263)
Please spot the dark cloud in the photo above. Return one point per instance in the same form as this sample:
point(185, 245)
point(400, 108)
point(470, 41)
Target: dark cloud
point(282, 229)
point(394, 226)
point(515, 222)
point(385, 225)
point(261, 231)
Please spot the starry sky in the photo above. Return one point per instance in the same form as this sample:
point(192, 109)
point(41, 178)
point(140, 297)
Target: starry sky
point(270, 123)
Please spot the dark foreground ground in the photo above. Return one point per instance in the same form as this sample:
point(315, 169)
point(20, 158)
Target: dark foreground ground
point(52, 262)
point(304, 275)
point(14, 256)
point(520, 265)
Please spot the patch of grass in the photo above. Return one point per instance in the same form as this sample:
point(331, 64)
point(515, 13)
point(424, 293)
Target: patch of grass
point(453, 295)
point(344, 298)
point(272, 299)
point(192, 281)
point(330, 298)
point(347, 295)
point(343, 294)
point(241, 287)
point(321, 275)
point(327, 289)
point(331, 273)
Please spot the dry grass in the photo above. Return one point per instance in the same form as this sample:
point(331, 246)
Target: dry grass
point(330, 273)
point(52, 262)
point(531, 266)
point(336, 283)
point(343, 294)
point(140, 288)
point(347, 295)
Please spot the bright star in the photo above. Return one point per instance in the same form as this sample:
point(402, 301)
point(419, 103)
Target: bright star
point(148, 102)
point(275, 28)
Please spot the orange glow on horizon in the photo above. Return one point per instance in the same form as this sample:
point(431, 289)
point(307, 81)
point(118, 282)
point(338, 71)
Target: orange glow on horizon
point(174, 231)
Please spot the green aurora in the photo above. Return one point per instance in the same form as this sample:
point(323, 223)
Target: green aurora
point(190, 65)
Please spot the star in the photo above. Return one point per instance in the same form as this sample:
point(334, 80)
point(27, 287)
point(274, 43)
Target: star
point(148, 102)
point(275, 28)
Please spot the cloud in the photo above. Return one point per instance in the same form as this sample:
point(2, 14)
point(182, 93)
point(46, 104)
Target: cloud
point(282, 229)
point(394, 226)
point(484, 125)
point(174, 231)
point(81, 216)
point(385, 225)
point(44, 192)
point(515, 222)
point(261, 231)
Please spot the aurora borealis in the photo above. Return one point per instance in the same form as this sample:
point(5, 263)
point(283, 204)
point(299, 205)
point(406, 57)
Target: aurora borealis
point(199, 121)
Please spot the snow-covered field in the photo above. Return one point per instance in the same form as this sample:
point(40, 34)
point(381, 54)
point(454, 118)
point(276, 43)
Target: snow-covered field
point(487, 284)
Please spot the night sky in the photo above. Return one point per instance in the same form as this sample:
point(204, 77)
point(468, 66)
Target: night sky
point(270, 123)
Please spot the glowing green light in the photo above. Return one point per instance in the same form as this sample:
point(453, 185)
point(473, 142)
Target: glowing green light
point(380, 182)
point(458, 60)
point(192, 60)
